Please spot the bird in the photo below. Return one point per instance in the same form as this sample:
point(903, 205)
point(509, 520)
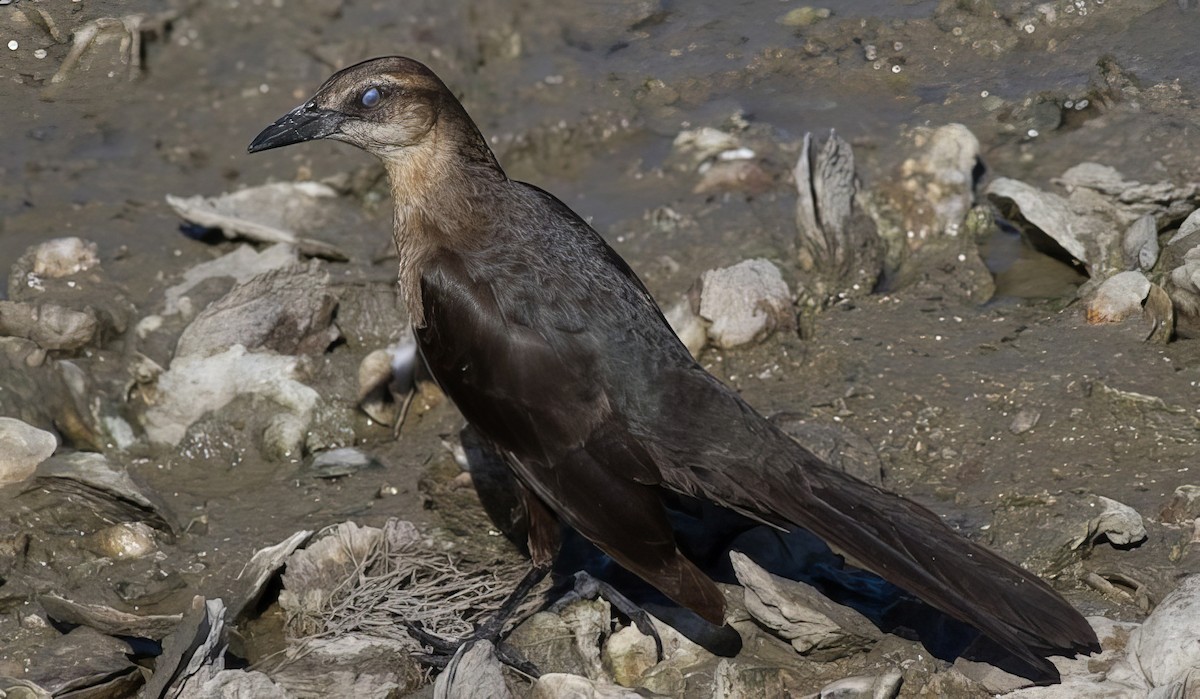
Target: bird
point(556, 353)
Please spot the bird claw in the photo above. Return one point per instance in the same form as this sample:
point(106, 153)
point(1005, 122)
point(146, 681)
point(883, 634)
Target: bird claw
point(588, 587)
point(444, 649)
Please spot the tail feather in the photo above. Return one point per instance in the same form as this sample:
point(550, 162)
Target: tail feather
point(722, 450)
point(910, 546)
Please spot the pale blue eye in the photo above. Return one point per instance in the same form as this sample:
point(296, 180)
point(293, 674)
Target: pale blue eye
point(370, 98)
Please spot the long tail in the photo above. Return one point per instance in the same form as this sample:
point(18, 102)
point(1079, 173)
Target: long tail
point(911, 547)
point(721, 449)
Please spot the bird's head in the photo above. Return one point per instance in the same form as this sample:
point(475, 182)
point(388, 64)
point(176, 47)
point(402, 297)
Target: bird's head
point(384, 106)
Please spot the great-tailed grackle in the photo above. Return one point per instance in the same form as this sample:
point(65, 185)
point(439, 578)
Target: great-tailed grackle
point(553, 349)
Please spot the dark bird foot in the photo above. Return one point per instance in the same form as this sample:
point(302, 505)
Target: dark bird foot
point(588, 587)
point(491, 629)
point(443, 649)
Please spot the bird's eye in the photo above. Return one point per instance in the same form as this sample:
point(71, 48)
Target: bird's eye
point(370, 97)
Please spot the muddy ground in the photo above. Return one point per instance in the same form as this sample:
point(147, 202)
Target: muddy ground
point(585, 99)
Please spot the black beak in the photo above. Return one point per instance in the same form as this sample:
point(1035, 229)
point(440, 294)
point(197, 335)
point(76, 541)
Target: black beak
point(304, 123)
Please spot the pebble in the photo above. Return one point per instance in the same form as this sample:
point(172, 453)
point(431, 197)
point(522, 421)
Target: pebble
point(125, 540)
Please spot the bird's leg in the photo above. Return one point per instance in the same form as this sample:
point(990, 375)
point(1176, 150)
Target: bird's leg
point(588, 587)
point(403, 412)
point(490, 629)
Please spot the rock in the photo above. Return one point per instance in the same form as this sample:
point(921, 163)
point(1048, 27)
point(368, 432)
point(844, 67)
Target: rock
point(929, 196)
point(235, 684)
point(1129, 296)
point(260, 570)
point(1182, 258)
point(195, 385)
point(193, 653)
point(685, 669)
point(51, 326)
point(280, 212)
point(22, 448)
point(548, 642)
point(1026, 419)
point(1190, 225)
point(1163, 200)
point(313, 574)
point(688, 325)
point(798, 613)
point(1141, 244)
point(107, 620)
point(885, 686)
point(473, 673)
point(1104, 178)
point(734, 174)
point(75, 305)
point(22, 689)
point(804, 16)
point(942, 177)
point(62, 257)
point(745, 303)
point(1167, 646)
point(89, 480)
point(1118, 297)
point(1084, 226)
point(20, 352)
point(1184, 506)
point(838, 245)
point(81, 660)
point(557, 685)
point(365, 579)
point(628, 654)
point(589, 621)
point(288, 311)
point(1119, 523)
point(371, 314)
point(344, 461)
point(242, 265)
point(124, 540)
point(353, 665)
point(702, 144)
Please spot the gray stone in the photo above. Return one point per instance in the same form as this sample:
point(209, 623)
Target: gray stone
point(799, 614)
point(22, 448)
point(288, 311)
point(885, 686)
point(241, 265)
point(195, 385)
point(548, 642)
point(280, 212)
point(556, 685)
point(628, 654)
point(745, 303)
point(1141, 244)
point(473, 673)
point(1118, 522)
point(1184, 505)
point(1167, 646)
point(51, 326)
point(1118, 297)
point(62, 257)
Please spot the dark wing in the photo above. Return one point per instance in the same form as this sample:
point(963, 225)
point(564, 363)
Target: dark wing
point(532, 386)
point(722, 450)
